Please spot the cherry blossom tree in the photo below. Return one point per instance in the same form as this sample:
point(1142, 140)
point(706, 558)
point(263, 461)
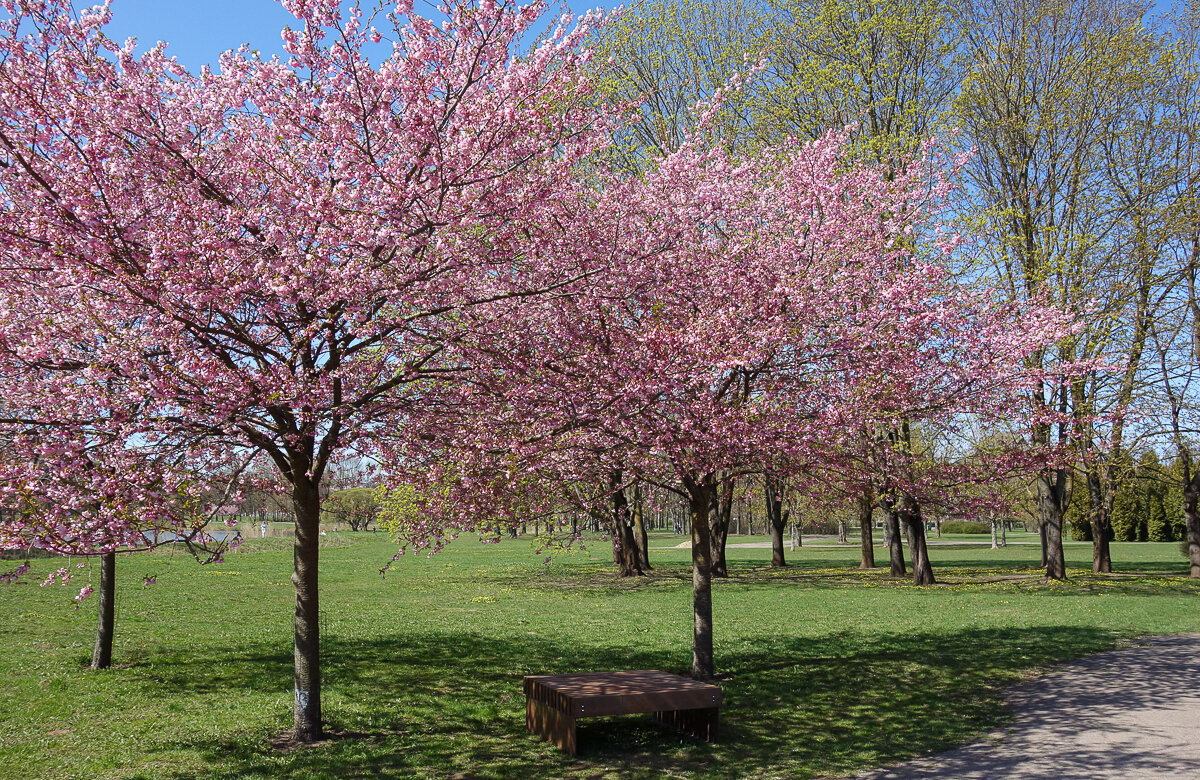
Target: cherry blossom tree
point(759, 313)
point(272, 257)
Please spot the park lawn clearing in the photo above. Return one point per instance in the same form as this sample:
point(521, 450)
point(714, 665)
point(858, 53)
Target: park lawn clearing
point(825, 669)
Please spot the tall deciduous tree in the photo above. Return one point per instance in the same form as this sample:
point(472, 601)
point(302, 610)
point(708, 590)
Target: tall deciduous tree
point(1059, 99)
point(884, 68)
point(1178, 339)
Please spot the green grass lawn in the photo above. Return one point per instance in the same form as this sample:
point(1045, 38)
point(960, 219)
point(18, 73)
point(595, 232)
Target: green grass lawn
point(826, 669)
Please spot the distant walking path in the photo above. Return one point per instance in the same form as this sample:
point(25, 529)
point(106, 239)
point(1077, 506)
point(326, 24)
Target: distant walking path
point(1129, 714)
point(854, 545)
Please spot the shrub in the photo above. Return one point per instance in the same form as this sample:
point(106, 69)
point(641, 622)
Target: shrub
point(966, 527)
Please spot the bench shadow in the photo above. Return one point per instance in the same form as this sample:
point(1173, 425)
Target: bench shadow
point(451, 705)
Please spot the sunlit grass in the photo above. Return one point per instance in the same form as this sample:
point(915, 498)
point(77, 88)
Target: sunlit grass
point(826, 669)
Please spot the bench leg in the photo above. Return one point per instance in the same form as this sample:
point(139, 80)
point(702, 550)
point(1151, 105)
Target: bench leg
point(557, 727)
point(701, 724)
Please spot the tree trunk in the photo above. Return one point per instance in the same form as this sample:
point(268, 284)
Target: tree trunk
point(625, 545)
point(1191, 480)
point(720, 511)
point(306, 501)
point(866, 534)
point(639, 527)
point(700, 495)
point(995, 546)
point(910, 511)
point(614, 533)
point(1101, 521)
point(774, 494)
point(1191, 515)
point(777, 556)
point(105, 622)
point(1054, 493)
point(1042, 536)
point(842, 538)
point(891, 525)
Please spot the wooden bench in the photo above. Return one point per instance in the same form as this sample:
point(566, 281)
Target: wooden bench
point(554, 702)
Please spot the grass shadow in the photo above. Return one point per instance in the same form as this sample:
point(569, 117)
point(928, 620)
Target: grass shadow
point(450, 705)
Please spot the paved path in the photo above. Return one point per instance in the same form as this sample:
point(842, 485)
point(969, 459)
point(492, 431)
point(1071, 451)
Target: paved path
point(1132, 713)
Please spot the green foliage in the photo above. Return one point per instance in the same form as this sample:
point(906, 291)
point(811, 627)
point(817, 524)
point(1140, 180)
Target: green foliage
point(1173, 500)
point(353, 508)
point(1151, 486)
point(1078, 514)
point(1148, 505)
point(670, 55)
point(966, 527)
point(397, 507)
point(1128, 513)
point(1158, 529)
point(885, 67)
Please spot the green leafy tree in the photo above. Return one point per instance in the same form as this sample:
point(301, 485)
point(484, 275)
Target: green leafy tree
point(890, 67)
point(1078, 515)
point(1173, 500)
point(1128, 512)
point(1158, 527)
point(784, 68)
point(1179, 339)
point(1064, 102)
point(668, 56)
